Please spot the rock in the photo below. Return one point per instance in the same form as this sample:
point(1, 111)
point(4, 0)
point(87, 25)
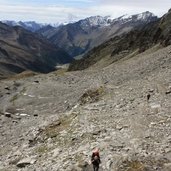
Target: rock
point(108, 164)
point(168, 92)
point(25, 162)
point(36, 81)
point(97, 132)
point(120, 127)
point(167, 150)
point(84, 166)
point(8, 115)
point(155, 105)
point(167, 166)
point(18, 117)
point(17, 153)
point(1, 166)
point(56, 152)
point(24, 114)
point(56, 124)
point(14, 121)
point(151, 90)
point(7, 88)
point(14, 161)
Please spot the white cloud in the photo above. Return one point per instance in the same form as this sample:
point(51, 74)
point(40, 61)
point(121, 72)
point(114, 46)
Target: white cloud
point(159, 7)
point(38, 13)
point(59, 13)
point(138, 3)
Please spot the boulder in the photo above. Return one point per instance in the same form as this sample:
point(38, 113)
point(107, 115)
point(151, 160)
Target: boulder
point(25, 162)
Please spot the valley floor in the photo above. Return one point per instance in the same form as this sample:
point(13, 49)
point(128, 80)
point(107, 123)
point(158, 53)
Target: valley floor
point(53, 121)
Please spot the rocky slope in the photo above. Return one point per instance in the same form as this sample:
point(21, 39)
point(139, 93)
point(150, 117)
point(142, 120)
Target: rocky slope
point(77, 38)
point(53, 121)
point(22, 50)
point(136, 41)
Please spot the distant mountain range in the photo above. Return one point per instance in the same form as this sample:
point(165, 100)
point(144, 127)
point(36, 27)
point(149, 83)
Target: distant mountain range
point(88, 22)
point(127, 45)
point(40, 47)
point(22, 50)
point(79, 37)
point(29, 25)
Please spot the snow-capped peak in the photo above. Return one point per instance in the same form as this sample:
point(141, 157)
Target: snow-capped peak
point(29, 25)
point(107, 20)
point(95, 21)
point(143, 17)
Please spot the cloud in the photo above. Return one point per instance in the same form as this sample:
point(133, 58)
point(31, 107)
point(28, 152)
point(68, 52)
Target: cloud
point(60, 12)
point(45, 11)
point(139, 3)
point(157, 6)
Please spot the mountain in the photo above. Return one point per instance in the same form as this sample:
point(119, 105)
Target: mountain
point(22, 50)
point(53, 121)
point(121, 105)
point(31, 25)
point(78, 38)
point(28, 25)
point(136, 41)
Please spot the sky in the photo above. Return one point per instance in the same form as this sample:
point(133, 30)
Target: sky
point(60, 11)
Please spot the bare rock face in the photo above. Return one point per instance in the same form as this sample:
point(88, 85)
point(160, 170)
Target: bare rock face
point(58, 120)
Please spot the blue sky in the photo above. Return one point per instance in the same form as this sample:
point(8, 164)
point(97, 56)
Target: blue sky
point(53, 11)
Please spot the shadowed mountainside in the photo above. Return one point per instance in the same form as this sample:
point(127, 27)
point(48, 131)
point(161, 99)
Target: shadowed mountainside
point(77, 38)
point(22, 50)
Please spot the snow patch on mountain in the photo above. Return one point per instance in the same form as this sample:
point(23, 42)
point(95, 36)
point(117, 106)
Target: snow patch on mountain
point(142, 17)
point(29, 25)
point(93, 21)
point(99, 21)
point(96, 21)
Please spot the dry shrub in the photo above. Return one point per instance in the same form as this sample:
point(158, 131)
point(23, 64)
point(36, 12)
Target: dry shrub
point(91, 96)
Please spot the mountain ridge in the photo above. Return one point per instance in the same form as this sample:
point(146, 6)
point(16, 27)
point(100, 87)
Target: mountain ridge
point(25, 50)
point(28, 25)
point(139, 39)
point(78, 38)
point(121, 104)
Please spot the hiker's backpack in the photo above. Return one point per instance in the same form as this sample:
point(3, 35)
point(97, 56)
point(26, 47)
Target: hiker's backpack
point(96, 158)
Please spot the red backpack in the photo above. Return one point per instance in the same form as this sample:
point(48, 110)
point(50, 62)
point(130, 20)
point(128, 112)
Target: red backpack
point(96, 158)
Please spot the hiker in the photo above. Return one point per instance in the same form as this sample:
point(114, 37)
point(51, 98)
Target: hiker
point(148, 97)
point(95, 159)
